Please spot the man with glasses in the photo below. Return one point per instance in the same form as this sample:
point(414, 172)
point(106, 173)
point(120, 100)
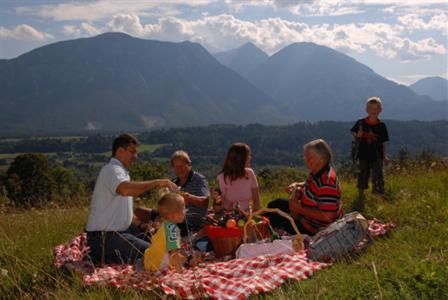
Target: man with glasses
point(111, 236)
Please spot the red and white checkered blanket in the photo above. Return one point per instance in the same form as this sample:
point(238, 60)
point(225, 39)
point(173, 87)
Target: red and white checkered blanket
point(234, 279)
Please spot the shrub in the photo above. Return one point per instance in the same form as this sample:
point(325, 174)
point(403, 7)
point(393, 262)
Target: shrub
point(29, 181)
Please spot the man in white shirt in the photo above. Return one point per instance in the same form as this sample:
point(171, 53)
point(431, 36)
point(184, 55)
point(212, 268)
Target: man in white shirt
point(110, 235)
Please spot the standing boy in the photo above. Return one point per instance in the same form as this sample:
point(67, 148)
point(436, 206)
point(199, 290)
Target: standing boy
point(372, 137)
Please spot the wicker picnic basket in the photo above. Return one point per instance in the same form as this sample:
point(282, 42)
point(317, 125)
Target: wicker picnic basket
point(297, 239)
point(225, 241)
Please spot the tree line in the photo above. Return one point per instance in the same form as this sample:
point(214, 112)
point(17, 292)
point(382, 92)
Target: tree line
point(282, 145)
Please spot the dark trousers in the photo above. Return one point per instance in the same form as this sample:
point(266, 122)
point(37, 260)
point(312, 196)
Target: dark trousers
point(112, 247)
point(377, 175)
point(278, 221)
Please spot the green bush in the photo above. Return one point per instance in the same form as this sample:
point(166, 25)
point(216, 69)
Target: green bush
point(29, 181)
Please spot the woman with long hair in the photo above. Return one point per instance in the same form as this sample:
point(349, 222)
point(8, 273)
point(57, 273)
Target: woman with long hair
point(237, 181)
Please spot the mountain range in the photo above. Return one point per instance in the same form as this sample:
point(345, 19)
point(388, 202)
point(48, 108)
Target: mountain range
point(434, 87)
point(319, 83)
point(243, 60)
point(117, 82)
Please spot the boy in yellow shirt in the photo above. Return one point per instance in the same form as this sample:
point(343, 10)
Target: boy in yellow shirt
point(165, 244)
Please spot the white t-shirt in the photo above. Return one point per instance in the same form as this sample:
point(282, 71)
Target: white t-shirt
point(110, 211)
point(239, 190)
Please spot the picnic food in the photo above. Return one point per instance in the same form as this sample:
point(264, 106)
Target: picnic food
point(231, 223)
point(225, 229)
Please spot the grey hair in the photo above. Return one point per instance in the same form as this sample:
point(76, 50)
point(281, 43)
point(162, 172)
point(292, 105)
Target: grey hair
point(181, 154)
point(321, 148)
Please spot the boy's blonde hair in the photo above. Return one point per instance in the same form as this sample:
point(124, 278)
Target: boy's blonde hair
point(375, 100)
point(170, 203)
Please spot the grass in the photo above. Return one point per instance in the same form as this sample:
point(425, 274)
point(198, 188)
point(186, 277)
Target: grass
point(410, 263)
point(9, 155)
point(141, 148)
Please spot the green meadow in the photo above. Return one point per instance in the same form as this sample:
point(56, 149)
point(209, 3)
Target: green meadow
point(409, 263)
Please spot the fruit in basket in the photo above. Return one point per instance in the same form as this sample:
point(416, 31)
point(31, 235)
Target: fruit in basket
point(241, 223)
point(231, 223)
point(256, 219)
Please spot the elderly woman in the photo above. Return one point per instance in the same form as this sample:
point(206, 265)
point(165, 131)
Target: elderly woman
point(314, 203)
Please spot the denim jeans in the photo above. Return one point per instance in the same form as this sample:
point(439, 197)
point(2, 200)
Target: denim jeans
point(108, 247)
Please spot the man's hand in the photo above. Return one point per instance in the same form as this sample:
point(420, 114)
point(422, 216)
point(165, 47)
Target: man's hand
point(187, 197)
point(168, 184)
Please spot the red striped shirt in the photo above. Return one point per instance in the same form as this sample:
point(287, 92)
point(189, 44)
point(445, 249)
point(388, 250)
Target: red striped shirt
point(323, 194)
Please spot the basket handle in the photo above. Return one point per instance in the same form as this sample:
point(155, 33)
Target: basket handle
point(274, 210)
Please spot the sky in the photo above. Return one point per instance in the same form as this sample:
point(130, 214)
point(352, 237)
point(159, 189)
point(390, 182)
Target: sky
point(401, 40)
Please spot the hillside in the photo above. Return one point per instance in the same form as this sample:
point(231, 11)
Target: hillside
point(318, 83)
point(434, 87)
point(408, 263)
point(116, 82)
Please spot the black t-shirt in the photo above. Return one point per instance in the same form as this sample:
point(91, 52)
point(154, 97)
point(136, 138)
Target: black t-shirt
point(373, 137)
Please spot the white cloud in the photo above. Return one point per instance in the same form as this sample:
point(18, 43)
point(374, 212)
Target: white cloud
point(400, 2)
point(71, 30)
point(101, 9)
point(24, 32)
point(301, 7)
point(84, 29)
point(224, 32)
point(326, 8)
point(332, 7)
point(413, 22)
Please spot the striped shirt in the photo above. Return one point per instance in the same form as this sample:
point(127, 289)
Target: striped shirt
point(322, 194)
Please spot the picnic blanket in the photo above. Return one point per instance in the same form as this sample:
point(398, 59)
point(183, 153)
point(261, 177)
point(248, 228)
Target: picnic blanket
point(233, 279)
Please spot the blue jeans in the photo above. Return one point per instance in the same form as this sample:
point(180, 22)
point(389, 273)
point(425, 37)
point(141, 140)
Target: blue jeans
point(109, 247)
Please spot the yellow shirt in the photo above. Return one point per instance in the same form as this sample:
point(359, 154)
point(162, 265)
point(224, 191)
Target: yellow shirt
point(167, 238)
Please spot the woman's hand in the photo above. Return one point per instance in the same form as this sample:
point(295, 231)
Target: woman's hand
point(217, 198)
point(294, 186)
point(291, 187)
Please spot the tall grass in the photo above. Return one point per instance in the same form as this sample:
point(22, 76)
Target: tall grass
point(410, 263)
